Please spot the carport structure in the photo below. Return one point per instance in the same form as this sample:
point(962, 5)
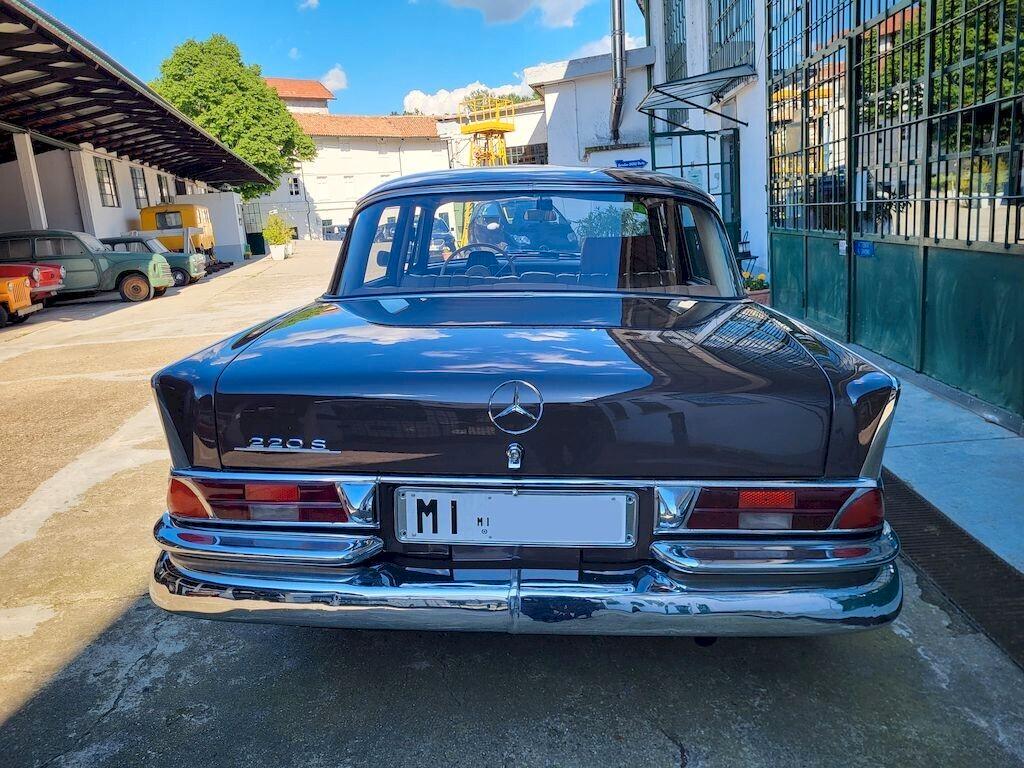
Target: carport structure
point(59, 91)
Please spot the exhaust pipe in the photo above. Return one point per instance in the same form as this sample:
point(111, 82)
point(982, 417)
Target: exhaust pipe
point(618, 67)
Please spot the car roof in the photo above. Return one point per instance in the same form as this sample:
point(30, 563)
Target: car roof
point(44, 233)
point(125, 238)
point(537, 176)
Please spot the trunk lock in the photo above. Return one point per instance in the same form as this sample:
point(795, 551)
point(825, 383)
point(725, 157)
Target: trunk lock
point(515, 455)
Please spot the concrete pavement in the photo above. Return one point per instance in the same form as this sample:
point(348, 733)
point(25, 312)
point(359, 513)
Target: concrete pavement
point(91, 674)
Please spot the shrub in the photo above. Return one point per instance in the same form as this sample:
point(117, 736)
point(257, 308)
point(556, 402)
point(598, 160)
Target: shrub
point(277, 231)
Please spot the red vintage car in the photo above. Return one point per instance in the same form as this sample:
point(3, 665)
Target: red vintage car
point(44, 279)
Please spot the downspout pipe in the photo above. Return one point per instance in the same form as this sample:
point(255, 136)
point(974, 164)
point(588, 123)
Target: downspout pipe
point(618, 67)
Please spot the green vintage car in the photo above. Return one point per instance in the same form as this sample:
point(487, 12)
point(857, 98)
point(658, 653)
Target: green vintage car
point(185, 267)
point(90, 266)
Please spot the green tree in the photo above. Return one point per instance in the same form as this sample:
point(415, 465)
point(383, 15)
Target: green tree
point(208, 81)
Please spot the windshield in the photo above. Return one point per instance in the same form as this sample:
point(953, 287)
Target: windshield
point(538, 242)
point(156, 246)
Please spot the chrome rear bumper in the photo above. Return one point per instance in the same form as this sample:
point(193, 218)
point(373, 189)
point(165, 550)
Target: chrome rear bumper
point(259, 578)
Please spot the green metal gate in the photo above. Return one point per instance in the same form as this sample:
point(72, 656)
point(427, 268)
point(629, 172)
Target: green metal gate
point(896, 132)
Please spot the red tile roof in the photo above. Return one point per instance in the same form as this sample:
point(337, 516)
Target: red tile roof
point(385, 126)
point(287, 88)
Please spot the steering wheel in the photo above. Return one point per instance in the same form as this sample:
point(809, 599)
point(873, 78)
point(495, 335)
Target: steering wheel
point(478, 247)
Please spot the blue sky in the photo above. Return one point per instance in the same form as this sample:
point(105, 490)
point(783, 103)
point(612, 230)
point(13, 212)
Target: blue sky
point(384, 49)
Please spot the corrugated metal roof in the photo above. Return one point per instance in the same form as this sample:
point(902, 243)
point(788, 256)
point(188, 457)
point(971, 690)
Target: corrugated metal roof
point(57, 85)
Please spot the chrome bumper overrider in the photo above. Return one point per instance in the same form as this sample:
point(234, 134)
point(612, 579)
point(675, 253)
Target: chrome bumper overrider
point(689, 588)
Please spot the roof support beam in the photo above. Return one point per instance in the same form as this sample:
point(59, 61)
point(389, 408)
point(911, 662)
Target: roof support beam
point(30, 181)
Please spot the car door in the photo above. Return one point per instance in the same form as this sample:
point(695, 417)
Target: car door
point(78, 262)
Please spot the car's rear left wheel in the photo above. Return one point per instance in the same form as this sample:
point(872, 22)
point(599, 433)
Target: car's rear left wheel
point(135, 288)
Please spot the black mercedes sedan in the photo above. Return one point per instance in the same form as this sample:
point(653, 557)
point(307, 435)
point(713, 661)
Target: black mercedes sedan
point(603, 437)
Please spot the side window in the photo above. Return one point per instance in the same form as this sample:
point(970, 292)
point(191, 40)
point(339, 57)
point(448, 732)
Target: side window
point(71, 247)
point(48, 246)
point(380, 251)
point(168, 220)
point(120, 247)
point(20, 249)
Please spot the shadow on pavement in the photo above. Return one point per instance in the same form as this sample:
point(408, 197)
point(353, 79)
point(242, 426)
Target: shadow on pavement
point(160, 689)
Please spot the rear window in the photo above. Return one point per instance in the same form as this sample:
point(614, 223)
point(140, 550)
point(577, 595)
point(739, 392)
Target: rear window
point(539, 242)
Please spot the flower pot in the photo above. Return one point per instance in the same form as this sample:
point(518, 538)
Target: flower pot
point(278, 252)
point(763, 296)
point(289, 249)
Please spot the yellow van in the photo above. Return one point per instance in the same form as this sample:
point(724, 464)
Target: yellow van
point(176, 216)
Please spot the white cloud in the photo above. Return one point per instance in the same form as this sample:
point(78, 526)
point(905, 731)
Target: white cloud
point(293, 53)
point(553, 13)
point(445, 102)
point(311, 5)
point(335, 79)
point(604, 45)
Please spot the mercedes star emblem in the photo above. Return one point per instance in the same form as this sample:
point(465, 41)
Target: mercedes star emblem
point(515, 407)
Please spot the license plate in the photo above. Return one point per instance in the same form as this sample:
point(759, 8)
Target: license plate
point(524, 518)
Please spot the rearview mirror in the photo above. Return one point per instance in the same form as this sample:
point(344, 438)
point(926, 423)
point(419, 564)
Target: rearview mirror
point(537, 214)
point(383, 257)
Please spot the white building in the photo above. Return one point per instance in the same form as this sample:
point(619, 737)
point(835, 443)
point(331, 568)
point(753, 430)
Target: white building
point(355, 153)
point(693, 107)
point(577, 98)
point(528, 143)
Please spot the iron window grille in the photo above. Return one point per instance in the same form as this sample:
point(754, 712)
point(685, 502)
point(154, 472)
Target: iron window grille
point(107, 183)
point(293, 186)
point(528, 154)
point(139, 188)
point(925, 139)
point(730, 33)
point(675, 50)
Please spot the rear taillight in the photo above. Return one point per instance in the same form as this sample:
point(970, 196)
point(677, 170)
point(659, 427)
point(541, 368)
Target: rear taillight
point(802, 508)
point(315, 501)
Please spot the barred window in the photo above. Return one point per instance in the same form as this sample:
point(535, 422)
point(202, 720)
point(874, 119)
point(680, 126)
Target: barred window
point(107, 183)
point(528, 154)
point(139, 188)
point(730, 33)
point(785, 152)
point(675, 50)
point(164, 189)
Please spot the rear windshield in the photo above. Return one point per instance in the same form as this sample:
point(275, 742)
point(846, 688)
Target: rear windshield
point(538, 242)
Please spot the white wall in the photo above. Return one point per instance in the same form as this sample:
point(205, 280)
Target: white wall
point(315, 106)
point(577, 103)
point(345, 169)
point(747, 103)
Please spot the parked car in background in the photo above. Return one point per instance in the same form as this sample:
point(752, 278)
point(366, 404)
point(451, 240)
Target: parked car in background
point(610, 438)
point(16, 300)
point(335, 231)
point(89, 265)
point(185, 267)
point(44, 279)
point(441, 237)
point(177, 216)
point(522, 224)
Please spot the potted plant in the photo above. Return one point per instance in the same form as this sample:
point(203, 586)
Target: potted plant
point(757, 288)
point(277, 234)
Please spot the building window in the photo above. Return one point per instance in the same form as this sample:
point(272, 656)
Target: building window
point(139, 187)
point(293, 186)
point(730, 33)
point(164, 188)
point(529, 154)
point(107, 183)
point(675, 50)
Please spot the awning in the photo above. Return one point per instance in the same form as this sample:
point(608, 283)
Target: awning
point(680, 94)
point(60, 88)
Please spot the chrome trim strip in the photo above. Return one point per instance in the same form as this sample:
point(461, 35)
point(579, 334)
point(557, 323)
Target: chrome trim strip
point(735, 556)
point(549, 482)
point(637, 601)
point(262, 546)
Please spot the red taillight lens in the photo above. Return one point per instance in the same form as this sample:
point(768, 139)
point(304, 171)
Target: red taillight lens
point(866, 511)
point(783, 509)
point(182, 501)
point(266, 501)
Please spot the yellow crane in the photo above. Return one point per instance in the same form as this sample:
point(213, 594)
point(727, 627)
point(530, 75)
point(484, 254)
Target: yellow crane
point(485, 118)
